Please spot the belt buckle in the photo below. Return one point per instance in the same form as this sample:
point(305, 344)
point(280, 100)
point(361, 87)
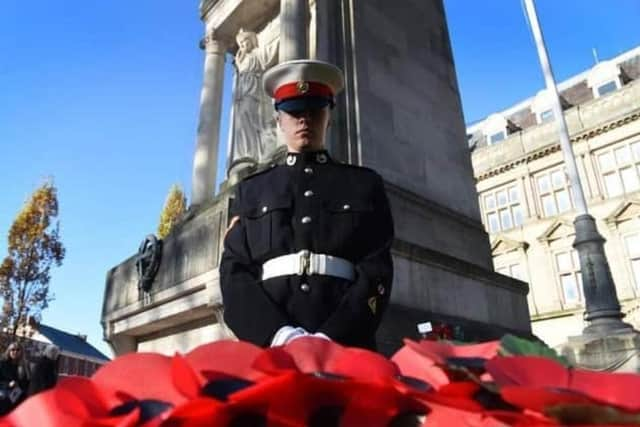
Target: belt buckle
point(304, 262)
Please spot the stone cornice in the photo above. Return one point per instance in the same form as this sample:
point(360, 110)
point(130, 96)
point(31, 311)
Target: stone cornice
point(432, 205)
point(212, 42)
point(206, 6)
point(457, 266)
point(552, 148)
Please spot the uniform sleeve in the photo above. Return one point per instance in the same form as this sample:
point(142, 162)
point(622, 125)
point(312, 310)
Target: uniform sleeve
point(248, 310)
point(362, 307)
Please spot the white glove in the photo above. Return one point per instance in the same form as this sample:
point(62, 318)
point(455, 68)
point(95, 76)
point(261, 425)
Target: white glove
point(287, 334)
point(321, 335)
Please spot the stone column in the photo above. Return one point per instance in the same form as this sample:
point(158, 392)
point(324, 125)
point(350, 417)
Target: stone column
point(205, 160)
point(294, 24)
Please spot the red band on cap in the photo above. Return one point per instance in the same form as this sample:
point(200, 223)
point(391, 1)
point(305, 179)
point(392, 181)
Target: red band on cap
point(292, 90)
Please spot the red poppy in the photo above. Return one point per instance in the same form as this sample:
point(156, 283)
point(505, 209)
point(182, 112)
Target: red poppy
point(430, 360)
point(145, 376)
point(537, 382)
point(447, 416)
point(363, 384)
point(234, 358)
point(312, 355)
point(74, 401)
point(413, 364)
point(440, 351)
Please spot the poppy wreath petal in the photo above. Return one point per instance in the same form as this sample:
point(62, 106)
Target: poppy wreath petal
point(302, 398)
point(445, 416)
point(362, 364)
point(442, 415)
point(185, 379)
point(378, 405)
point(234, 358)
point(255, 401)
point(312, 398)
point(416, 365)
point(590, 414)
point(145, 376)
point(539, 399)
point(151, 412)
point(528, 371)
point(306, 354)
point(61, 407)
point(458, 395)
point(516, 419)
point(311, 354)
point(98, 400)
point(222, 388)
point(615, 389)
point(440, 351)
point(316, 355)
point(275, 361)
point(198, 412)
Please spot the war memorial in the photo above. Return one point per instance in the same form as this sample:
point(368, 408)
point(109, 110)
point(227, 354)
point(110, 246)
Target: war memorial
point(400, 114)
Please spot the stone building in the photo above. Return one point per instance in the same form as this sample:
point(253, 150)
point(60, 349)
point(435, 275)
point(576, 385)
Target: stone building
point(526, 201)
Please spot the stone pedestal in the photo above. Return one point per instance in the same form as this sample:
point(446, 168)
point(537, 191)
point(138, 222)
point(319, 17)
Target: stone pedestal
point(614, 352)
point(183, 307)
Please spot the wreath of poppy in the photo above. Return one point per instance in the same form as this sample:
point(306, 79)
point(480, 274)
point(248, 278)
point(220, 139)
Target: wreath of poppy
point(315, 382)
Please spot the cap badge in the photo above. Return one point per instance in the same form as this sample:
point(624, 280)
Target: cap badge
point(303, 87)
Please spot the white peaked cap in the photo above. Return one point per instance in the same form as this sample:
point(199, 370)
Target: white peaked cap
point(302, 71)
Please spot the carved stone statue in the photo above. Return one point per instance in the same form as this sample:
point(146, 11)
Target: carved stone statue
point(253, 135)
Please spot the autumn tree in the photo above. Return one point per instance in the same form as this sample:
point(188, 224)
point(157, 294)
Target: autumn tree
point(174, 207)
point(34, 246)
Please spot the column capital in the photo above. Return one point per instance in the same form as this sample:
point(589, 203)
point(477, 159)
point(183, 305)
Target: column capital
point(213, 43)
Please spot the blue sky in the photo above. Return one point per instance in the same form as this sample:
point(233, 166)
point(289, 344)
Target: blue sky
point(103, 96)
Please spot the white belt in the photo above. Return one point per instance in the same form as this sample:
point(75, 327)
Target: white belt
point(305, 262)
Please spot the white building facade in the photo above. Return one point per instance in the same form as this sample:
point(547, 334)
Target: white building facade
point(526, 202)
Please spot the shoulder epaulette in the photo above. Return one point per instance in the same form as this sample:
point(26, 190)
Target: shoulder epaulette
point(358, 167)
point(261, 170)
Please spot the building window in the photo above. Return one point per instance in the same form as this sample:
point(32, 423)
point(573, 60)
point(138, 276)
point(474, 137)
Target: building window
point(619, 169)
point(503, 209)
point(632, 243)
point(607, 87)
point(546, 116)
point(497, 137)
point(568, 268)
point(553, 189)
point(512, 270)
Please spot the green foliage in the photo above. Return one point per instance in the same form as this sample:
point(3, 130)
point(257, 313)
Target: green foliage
point(174, 207)
point(34, 246)
point(511, 345)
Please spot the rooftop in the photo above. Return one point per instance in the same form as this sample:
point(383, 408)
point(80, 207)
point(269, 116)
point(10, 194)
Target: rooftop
point(70, 343)
point(574, 91)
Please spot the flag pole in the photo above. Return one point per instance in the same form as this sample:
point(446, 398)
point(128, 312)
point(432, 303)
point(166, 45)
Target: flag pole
point(602, 308)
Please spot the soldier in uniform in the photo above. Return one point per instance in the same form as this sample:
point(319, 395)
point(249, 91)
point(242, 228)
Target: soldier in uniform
point(308, 252)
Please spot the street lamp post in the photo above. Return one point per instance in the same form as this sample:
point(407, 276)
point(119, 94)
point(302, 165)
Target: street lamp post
point(602, 308)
